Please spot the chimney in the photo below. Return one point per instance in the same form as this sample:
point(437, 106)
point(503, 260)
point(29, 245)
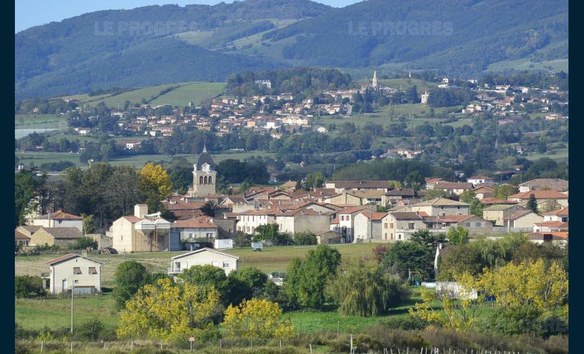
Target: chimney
point(140, 210)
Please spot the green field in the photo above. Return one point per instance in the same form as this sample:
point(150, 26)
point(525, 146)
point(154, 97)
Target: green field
point(271, 259)
point(195, 92)
point(36, 314)
point(29, 159)
point(42, 121)
point(179, 96)
point(412, 114)
point(36, 158)
point(527, 64)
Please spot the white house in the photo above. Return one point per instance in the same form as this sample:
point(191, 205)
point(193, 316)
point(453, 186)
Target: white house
point(59, 219)
point(441, 207)
point(203, 256)
point(368, 225)
point(73, 272)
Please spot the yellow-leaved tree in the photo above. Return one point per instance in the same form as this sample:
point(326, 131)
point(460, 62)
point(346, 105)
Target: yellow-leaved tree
point(168, 311)
point(460, 314)
point(155, 184)
point(536, 285)
point(256, 318)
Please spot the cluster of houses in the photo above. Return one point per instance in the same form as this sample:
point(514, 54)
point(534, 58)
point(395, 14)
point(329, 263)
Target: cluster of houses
point(343, 211)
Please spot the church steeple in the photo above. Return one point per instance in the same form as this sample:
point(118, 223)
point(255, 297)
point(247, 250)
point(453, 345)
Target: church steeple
point(204, 147)
point(374, 81)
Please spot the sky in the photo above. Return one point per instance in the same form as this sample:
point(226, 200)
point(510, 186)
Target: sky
point(29, 13)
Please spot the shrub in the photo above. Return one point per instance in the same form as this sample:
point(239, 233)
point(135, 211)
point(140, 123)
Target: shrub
point(305, 238)
point(83, 243)
point(26, 286)
point(407, 323)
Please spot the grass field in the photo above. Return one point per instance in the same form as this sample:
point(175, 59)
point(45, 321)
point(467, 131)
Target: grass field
point(42, 121)
point(412, 114)
point(195, 92)
point(36, 158)
point(527, 64)
point(36, 314)
point(271, 259)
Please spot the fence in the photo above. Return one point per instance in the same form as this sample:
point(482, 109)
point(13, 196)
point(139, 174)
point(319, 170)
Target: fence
point(226, 345)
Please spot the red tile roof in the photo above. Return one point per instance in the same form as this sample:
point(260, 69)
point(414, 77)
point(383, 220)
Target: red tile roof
point(59, 215)
point(20, 236)
point(539, 194)
point(132, 219)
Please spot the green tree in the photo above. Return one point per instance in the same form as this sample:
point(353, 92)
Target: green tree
point(361, 290)
point(408, 260)
point(208, 208)
point(27, 186)
point(306, 279)
point(206, 277)
point(458, 235)
point(26, 286)
point(128, 278)
point(502, 191)
point(244, 284)
point(532, 203)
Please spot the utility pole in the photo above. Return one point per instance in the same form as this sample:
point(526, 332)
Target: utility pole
point(72, 291)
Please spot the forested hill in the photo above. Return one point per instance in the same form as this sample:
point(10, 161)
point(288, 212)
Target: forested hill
point(448, 34)
point(165, 44)
point(142, 46)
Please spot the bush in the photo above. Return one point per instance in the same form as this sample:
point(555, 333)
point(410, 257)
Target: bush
point(305, 238)
point(83, 243)
point(407, 323)
point(26, 286)
point(91, 329)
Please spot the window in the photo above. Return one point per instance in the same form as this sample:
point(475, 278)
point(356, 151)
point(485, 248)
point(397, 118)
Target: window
point(225, 264)
point(411, 225)
point(201, 180)
point(385, 225)
point(76, 270)
point(92, 270)
point(391, 225)
point(209, 234)
point(210, 179)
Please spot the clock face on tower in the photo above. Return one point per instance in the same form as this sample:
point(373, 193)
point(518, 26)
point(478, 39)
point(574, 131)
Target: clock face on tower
point(206, 167)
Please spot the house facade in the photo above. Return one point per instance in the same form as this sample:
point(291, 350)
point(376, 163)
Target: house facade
point(59, 219)
point(73, 272)
point(303, 220)
point(191, 230)
point(368, 226)
point(59, 236)
point(203, 256)
point(441, 207)
point(398, 226)
point(142, 233)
